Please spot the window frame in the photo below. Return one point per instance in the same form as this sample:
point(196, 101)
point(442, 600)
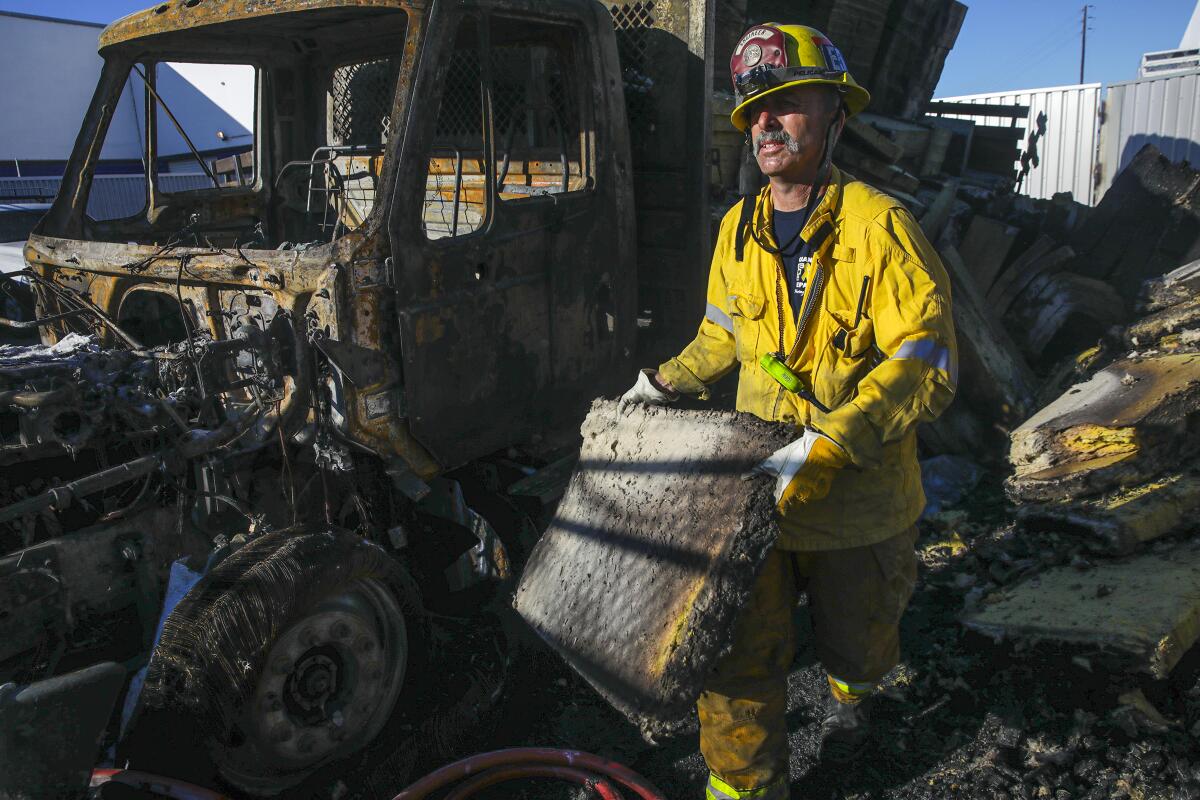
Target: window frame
point(487, 151)
point(103, 132)
point(576, 63)
point(151, 62)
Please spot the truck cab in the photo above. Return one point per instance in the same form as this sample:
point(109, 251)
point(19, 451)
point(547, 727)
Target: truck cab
point(380, 257)
point(440, 194)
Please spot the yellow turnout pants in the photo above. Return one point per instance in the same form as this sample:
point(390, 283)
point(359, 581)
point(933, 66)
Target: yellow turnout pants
point(856, 597)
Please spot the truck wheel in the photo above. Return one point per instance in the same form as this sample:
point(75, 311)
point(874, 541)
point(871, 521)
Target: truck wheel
point(293, 653)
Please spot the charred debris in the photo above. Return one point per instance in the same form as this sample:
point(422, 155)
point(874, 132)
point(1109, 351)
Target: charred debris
point(1063, 482)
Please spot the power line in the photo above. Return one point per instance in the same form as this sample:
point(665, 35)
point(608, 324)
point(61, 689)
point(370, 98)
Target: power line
point(1054, 48)
point(1052, 34)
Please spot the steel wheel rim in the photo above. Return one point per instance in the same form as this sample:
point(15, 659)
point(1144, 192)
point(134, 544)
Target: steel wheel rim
point(328, 685)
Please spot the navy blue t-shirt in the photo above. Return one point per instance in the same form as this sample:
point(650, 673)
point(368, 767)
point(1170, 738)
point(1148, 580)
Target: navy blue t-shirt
point(796, 253)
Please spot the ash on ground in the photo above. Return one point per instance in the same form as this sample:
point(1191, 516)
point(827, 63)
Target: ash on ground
point(962, 716)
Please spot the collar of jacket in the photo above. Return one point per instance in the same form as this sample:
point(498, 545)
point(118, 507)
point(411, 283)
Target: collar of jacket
point(826, 211)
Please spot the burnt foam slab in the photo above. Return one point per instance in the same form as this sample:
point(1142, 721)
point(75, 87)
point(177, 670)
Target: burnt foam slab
point(639, 579)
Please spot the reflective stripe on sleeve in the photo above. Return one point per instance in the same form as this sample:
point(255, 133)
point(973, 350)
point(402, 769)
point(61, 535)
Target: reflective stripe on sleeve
point(718, 317)
point(932, 353)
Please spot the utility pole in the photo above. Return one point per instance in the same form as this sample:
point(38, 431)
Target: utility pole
point(1083, 45)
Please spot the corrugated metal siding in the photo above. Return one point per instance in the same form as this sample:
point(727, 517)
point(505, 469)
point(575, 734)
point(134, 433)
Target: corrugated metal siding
point(1067, 152)
point(112, 197)
point(1164, 112)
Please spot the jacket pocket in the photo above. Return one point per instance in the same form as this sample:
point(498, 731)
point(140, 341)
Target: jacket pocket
point(746, 311)
point(851, 338)
point(847, 354)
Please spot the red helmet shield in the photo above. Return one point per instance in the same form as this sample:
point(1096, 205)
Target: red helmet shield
point(762, 45)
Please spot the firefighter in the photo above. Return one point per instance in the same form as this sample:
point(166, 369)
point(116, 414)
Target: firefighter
point(835, 310)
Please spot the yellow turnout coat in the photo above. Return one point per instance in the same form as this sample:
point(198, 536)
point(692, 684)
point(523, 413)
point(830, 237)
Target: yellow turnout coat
point(880, 372)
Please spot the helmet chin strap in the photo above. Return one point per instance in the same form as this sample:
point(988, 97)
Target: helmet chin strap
point(826, 160)
point(822, 176)
point(750, 224)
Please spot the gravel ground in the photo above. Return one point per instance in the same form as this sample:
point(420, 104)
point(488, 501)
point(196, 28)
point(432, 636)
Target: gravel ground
point(961, 717)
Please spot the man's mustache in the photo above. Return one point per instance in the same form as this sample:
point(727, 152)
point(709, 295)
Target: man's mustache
point(781, 137)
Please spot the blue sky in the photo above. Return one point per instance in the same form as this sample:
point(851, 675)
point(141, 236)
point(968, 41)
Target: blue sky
point(1004, 44)
point(1025, 44)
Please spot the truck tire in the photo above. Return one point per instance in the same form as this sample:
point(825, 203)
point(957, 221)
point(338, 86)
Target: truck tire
point(289, 655)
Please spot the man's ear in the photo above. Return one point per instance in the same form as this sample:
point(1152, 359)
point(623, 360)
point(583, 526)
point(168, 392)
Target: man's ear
point(839, 124)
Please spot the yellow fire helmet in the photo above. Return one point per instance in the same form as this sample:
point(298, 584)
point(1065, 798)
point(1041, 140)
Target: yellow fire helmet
point(772, 57)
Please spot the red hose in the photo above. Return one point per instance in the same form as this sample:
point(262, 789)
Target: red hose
point(503, 774)
point(531, 756)
point(167, 787)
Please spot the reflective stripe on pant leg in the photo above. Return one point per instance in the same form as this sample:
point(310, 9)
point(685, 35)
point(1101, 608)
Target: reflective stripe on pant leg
point(718, 789)
point(743, 730)
point(850, 692)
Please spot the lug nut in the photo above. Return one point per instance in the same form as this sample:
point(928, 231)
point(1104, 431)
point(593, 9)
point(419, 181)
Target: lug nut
point(340, 630)
point(363, 644)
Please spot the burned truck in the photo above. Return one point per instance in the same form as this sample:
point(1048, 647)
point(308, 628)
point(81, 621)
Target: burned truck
point(327, 383)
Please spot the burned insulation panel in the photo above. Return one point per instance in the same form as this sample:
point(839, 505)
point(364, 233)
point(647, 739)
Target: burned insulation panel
point(638, 581)
point(1141, 615)
point(1123, 426)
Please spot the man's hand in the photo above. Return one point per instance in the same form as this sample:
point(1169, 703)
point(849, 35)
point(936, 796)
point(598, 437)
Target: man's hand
point(804, 470)
point(649, 390)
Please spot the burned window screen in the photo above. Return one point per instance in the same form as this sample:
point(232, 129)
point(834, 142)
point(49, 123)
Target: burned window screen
point(455, 188)
point(537, 120)
point(359, 102)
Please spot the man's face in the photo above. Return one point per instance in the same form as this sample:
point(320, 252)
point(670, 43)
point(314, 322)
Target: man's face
point(787, 130)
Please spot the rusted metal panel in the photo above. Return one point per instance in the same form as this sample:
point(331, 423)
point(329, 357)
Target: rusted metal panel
point(523, 314)
point(180, 15)
point(662, 46)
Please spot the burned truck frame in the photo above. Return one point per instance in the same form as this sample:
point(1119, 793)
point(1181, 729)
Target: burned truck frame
point(315, 369)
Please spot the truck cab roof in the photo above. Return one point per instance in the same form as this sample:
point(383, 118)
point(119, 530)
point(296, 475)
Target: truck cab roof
point(179, 15)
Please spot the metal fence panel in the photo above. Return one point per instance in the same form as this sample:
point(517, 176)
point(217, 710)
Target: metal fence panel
point(112, 196)
point(1067, 151)
point(1162, 111)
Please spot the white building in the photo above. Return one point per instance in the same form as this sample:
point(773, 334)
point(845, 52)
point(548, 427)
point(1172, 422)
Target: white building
point(1092, 132)
point(1181, 59)
point(43, 104)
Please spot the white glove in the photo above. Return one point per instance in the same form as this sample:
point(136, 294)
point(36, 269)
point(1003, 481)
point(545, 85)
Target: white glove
point(804, 469)
point(644, 391)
